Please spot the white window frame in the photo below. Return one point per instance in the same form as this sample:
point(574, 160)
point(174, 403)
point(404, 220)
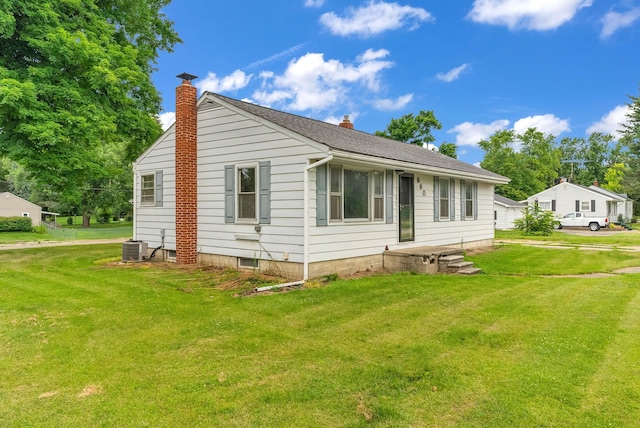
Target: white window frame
point(446, 199)
point(337, 199)
point(25, 214)
point(256, 172)
point(469, 199)
point(544, 205)
point(585, 206)
point(151, 189)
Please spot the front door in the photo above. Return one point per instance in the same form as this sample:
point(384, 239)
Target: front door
point(405, 197)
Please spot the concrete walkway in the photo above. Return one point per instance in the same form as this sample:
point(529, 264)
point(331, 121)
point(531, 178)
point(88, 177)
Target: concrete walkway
point(43, 244)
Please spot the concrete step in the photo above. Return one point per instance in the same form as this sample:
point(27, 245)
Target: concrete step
point(451, 259)
point(469, 271)
point(457, 266)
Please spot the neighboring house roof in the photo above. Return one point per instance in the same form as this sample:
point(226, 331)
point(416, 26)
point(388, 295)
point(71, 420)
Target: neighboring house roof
point(8, 195)
point(609, 193)
point(506, 202)
point(357, 142)
point(592, 189)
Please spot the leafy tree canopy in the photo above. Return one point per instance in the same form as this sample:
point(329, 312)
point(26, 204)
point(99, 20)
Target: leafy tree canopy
point(449, 149)
point(631, 142)
point(74, 80)
point(412, 129)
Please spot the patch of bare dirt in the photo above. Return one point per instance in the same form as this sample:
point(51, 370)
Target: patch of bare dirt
point(90, 390)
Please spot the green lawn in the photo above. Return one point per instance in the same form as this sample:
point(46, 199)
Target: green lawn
point(88, 343)
point(96, 231)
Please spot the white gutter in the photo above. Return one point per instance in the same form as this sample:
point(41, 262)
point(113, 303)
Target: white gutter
point(306, 212)
point(417, 167)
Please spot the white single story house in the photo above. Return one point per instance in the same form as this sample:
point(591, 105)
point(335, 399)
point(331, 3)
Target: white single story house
point(595, 201)
point(14, 206)
point(235, 184)
point(506, 211)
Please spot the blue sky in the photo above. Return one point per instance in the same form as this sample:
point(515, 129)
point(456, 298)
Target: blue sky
point(562, 66)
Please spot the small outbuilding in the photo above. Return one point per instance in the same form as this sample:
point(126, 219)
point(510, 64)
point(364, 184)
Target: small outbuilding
point(506, 211)
point(14, 206)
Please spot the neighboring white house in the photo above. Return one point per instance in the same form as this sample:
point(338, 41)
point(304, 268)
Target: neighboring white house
point(506, 211)
point(595, 201)
point(292, 194)
point(14, 206)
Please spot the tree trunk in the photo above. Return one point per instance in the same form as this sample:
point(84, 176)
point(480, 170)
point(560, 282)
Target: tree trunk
point(86, 221)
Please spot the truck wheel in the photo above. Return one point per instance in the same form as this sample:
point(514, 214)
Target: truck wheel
point(594, 227)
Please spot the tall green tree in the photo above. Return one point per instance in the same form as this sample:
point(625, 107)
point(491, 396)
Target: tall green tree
point(502, 158)
point(631, 142)
point(412, 129)
point(75, 79)
point(542, 159)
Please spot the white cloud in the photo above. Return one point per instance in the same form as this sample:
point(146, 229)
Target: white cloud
point(166, 119)
point(212, 83)
point(453, 74)
point(470, 134)
point(397, 104)
point(613, 21)
point(313, 3)
point(545, 123)
point(285, 53)
point(611, 122)
point(311, 82)
point(374, 18)
point(530, 14)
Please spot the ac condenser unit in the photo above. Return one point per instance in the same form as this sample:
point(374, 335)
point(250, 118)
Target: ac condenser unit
point(134, 251)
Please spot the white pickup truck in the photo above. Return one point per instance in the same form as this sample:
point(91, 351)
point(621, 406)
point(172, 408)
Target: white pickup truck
point(580, 220)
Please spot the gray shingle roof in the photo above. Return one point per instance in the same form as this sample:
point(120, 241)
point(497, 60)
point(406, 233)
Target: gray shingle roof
point(358, 142)
point(509, 202)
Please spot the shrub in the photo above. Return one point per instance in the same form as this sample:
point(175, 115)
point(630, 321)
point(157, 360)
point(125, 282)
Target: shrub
point(39, 229)
point(70, 220)
point(536, 221)
point(15, 224)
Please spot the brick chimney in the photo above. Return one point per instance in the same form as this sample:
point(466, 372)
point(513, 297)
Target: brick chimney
point(595, 183)
point(346, 123)
point(186, 130)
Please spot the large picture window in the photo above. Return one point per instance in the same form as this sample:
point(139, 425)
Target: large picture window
point(355, 194)
point(247, 193)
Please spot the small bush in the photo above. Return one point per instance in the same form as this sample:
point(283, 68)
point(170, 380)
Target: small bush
point(70, 220)
point(39, 229)
point(15, 224)
point(536, 221)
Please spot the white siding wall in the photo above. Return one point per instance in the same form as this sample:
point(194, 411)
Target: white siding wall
point(226, 138)
point(505, 216)
point(150, 220)
point(344, 240)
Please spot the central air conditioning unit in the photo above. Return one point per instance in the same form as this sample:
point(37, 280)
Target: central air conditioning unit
point(134, 251)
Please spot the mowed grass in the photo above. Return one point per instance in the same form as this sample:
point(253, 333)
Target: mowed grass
point(67, 233)
point(86, 342)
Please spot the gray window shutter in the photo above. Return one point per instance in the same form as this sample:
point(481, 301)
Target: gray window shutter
point(436, 198)
point(578, 206)
point(229, 194)
point(475, 200)
point(553, 205)
point(463, 200)
point(593, 205)
point(452, 199)
point(265, 192)
point(389, 196)
point(158, 188)
point(321, 195)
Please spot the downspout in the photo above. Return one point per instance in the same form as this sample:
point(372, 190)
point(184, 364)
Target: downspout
point(307, 226)
point(134, 199)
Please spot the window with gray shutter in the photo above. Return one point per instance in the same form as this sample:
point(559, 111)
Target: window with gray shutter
point(321, 195)
point(452, 199)
point(265, 192)
point(158, 186)
point(229, 194)
point(436, 198)
point(389, 196)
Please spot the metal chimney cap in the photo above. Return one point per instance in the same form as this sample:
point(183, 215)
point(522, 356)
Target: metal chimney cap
point(186, 76)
